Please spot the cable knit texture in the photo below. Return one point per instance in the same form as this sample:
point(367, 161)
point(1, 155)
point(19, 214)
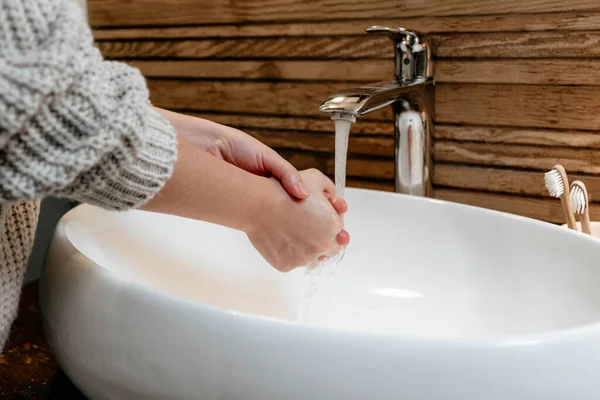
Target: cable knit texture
point(72, 125)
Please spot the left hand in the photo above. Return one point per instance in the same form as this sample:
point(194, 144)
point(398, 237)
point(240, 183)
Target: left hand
point(245, 152)
point(241, 150)
point(248, 153)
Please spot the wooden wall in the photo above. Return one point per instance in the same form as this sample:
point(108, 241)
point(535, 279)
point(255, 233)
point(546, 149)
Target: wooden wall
point(517, 83)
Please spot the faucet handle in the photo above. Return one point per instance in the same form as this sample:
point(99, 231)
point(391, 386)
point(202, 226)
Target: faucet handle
point(412, 52)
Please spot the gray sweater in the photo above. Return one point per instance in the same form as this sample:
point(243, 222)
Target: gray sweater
point(71, 125)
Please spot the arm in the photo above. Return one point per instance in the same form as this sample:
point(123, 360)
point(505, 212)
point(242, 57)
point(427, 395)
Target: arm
point(205, 188)
point(71, 124)
point(287, 232)
point(238, 148)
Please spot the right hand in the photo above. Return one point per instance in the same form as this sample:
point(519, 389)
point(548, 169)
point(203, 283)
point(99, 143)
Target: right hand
point(290, 233)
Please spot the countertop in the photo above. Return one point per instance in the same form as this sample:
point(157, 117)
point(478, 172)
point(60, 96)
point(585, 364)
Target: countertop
point(27, 369)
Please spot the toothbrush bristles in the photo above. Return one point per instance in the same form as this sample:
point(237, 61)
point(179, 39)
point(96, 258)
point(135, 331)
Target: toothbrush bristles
point(554, 183)
point(577, 200)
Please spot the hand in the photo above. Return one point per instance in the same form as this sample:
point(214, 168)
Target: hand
point(244, 151)
point(290, 233)
point(238, 148)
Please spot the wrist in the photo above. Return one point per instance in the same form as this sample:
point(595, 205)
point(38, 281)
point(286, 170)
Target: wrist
point(264, 203)
point(200, 132)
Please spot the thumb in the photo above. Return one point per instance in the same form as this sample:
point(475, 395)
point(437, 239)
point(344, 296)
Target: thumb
point(286, 173)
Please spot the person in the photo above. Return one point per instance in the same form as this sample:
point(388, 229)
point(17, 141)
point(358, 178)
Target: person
point(76, 126)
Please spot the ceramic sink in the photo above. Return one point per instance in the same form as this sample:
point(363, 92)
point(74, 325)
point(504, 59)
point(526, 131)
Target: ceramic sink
point(433, 300)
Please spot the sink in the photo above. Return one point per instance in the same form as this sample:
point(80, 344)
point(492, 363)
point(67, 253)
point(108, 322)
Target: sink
point(433, 300)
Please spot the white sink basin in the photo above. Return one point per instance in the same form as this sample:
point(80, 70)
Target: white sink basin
point(432, 301)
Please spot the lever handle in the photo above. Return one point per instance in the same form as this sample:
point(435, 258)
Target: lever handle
point(412, 52)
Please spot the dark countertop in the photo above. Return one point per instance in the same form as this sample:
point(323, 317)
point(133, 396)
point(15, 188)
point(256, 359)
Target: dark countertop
point(27, 369)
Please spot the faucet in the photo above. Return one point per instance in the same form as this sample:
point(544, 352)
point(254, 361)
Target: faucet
point(411, 96)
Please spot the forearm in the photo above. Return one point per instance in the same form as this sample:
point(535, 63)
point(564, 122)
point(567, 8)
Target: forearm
point(205, 188)
point(202, 133)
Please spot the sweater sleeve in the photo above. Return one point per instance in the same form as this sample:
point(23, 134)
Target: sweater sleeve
point(72, 124)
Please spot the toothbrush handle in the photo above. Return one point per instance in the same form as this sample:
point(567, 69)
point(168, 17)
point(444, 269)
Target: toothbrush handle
point(566, 204)
point(586, 226)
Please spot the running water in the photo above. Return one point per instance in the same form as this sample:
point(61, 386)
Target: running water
point(342, 134)
point(329, 265)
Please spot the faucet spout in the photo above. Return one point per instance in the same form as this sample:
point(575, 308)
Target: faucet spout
point(411, 97)
point(366, 99)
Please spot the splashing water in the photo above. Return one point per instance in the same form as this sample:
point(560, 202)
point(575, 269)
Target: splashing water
point(329, 266)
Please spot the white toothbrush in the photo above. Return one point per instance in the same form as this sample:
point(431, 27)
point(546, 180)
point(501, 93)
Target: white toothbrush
point(558, 187)
point(579, 205)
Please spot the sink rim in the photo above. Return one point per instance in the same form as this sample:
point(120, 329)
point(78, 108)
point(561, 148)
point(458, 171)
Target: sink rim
point(530, 339)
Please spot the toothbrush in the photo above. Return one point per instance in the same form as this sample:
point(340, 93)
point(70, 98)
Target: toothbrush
point(579, 205)
point(558, 187)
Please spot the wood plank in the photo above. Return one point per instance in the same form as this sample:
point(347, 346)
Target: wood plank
point(510, 135)
point(548, 210)
point(188, 12)
point(285, 47)
point(322, 124)
point(522, 71)
point(532, 157)
point(319, 142)
point(519, 44)
point(563, 107)
point(476, 23)
point(334, 70)
point(557, 44)
point(283, 98)
point(506, 181)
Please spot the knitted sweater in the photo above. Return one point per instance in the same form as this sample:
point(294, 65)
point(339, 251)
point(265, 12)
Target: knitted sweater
point(72, 125)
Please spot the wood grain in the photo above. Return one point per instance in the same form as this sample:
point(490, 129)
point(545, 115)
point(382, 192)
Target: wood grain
point(271, 48)
point(455, 45)
point(282, 98)
point(501, 180)
point(563, 107)
point(189, 12)
point(555, 71)
point(519, 44)
point(562, 21)
point(543, 209)
point(512, 135)
point(346, 71)
point(532, 157)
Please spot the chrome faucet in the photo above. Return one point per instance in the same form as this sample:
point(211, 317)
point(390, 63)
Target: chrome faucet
point(411, 96)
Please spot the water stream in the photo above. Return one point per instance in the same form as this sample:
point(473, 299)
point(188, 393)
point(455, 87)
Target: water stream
point(329, 265)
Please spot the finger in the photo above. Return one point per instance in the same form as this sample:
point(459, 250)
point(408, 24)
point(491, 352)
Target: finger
point(339, 205)
point(286, 173)
point(343, 238)
point(328, 186)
